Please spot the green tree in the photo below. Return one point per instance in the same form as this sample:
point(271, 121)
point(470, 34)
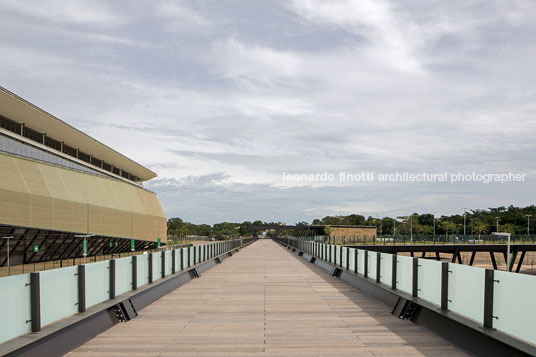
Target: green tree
point(447, 226)
point(479, 228)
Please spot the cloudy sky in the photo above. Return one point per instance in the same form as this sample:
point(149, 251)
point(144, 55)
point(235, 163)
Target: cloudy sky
point(221, 98)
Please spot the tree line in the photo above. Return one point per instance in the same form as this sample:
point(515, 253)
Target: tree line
point(510, 219)
point(514, 220)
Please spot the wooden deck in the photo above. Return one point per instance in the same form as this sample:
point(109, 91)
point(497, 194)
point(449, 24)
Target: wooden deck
point(264, 301)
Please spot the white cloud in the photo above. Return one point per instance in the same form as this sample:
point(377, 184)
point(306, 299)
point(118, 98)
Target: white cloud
point(178, 17)
point(78, 12)
point(392, 38)
point(220, 105)
point(253, 64)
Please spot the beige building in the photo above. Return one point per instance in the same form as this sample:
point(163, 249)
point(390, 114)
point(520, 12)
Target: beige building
point(357, 233)
point(55, 178)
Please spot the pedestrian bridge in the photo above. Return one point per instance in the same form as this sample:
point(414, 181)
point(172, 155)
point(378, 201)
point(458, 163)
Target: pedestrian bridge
point(272, 298)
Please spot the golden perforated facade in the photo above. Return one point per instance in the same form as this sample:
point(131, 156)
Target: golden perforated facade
point(47, 195)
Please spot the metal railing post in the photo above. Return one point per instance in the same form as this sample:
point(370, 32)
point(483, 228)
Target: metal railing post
point(134, 272)
point(150, 268)
point(444, 285)
point(394, 266)
point(188, 256)
point(488, 298)
point(356, 253)
point(414, 287)
point(35, 301)
point(173, 267)
point(163, 261)
point(112, 279)
point(378, 266)
point(366, 264)
point(81, 288)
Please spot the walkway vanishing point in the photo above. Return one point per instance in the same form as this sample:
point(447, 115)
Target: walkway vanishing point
point(265, 301)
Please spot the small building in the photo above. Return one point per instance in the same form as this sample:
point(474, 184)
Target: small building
point(348, 233)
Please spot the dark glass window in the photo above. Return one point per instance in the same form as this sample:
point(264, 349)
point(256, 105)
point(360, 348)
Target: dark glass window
point(125, 174)
point(32, 135)
point(52, 143)
point(96, 162)
point(116, 171)
point(69, 150)
point(106, 166)
point(83, 156)
point(9, 125)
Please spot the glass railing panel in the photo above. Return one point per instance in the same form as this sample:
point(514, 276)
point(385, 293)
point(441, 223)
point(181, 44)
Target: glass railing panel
point(386, 268)
point(332, 257)
point(466, 291)
point(351, 263)
point(361, 261)
point(123, 275)
point(97, 282)
point(157, 266)
point(513, 304)
point(14, 306)
point(143, 270)
point(404, 273)
point(59, 292)
point(344, 257)
point(169, 261)
point(429, 280)
point(372, 259)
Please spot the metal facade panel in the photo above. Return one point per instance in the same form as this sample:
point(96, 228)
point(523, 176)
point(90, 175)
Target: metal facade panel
point(35, 194)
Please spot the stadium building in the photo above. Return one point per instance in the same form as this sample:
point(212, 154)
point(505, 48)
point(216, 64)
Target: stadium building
point(58, 183)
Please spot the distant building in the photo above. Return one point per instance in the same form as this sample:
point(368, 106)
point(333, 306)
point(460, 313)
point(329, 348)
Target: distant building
point(361, 233)
point(56, 181)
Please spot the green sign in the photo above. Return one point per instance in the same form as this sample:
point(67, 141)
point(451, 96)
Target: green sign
point(116, 243)
point(111, 244)
point(175, 241)
point(36, 248)
point(84, 248)
point(132, 245)
point(158, 241)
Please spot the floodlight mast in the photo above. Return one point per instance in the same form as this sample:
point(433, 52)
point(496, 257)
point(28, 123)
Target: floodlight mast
point(464, 219)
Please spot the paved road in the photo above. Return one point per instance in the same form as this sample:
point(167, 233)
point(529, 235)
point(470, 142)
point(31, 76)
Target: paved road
point(264, 301)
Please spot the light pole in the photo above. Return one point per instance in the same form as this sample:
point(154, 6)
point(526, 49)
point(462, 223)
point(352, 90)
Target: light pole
point(497, 218)
point(433, 223)
point(528, 224)
point(464, 219)
point(411, 228)
point(8, 265)
point(472, 228)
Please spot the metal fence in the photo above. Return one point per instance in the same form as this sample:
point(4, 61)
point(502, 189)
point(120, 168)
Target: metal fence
point(421, 239)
